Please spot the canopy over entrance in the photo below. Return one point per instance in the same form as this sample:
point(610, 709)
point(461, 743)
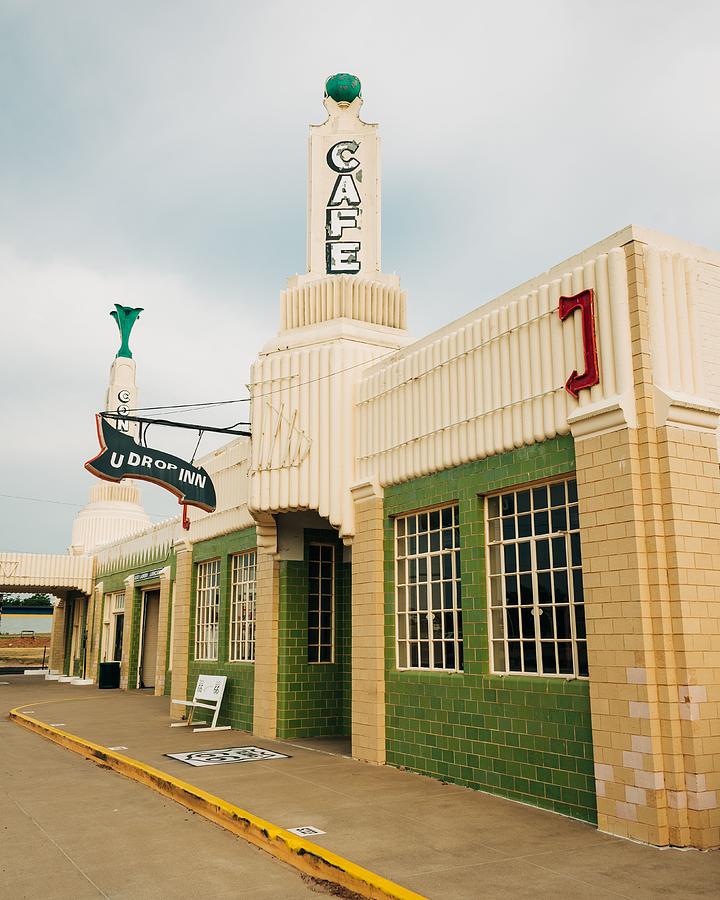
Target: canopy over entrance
point(35, 573)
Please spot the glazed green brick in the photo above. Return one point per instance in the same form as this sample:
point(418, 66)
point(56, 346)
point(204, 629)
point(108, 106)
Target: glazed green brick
point(113, 580)
point(313, 698)
point(524, 737)
point(237, 705)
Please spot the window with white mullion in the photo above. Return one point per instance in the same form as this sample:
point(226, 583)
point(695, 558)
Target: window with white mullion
point(321, 604)
point(537, 622)
point(428, 590)
point(207, 609)
point(242, 612)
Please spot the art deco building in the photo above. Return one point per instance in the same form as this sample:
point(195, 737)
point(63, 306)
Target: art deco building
point(491, 555)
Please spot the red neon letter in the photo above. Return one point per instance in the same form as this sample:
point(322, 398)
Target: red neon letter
point(583, 301)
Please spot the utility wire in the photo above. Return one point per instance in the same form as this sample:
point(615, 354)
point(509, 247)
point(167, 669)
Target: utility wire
point(65, 503)
point(173, 408)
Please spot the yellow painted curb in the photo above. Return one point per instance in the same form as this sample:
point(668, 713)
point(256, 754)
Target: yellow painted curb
point(298, 852)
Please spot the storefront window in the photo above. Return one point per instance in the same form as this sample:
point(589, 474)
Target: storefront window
point(321, 603)
point(207, 609)
point(535, 589)
point(242, 613)
point(113, 625)
point(428, 590)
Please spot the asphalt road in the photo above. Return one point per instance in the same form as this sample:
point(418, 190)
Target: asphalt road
point(70, 830)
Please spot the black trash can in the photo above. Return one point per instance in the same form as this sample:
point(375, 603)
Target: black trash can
point(109, 675)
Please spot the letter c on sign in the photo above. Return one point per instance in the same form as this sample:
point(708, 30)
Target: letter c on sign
point(340, 156)
point(124, 396)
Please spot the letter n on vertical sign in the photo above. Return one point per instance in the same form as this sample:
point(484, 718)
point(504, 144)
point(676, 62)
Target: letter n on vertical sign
point(585, 302)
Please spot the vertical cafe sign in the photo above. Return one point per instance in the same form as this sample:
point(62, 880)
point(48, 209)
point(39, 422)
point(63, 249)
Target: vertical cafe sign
point(344, 210)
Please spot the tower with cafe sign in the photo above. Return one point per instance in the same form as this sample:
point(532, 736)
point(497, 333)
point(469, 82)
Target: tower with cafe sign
point(341, 314)
point(344, 189)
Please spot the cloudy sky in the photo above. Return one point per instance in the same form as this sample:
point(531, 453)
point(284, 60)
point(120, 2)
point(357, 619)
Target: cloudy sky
point(153, 154)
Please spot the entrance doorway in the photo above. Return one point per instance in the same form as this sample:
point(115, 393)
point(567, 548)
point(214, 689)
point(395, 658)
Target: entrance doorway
point(76, 615)
point(118, 637)
point(148, 651)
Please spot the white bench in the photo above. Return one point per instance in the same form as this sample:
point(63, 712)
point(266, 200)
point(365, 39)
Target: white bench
point(208, 694)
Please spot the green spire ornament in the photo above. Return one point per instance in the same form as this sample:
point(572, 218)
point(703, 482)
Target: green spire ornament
point(125, 316)
point(343, 88)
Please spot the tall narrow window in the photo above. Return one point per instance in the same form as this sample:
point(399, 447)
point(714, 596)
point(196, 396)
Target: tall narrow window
point(207, 608)
point(242, 612)
point(113, 624)
point(537, 615)
point(321, 603)
point(428, 590)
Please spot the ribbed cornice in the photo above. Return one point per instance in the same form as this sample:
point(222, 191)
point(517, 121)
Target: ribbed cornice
point(343, 296)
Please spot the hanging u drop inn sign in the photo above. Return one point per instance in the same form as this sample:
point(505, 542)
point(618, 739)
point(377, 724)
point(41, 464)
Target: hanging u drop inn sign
point(122, 457)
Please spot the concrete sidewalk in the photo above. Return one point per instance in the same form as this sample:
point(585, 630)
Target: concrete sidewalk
point(442, 841)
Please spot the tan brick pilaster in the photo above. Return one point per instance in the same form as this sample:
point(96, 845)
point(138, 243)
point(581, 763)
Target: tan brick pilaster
point(162, 638)
point(266, 631)
point(125, 675)
point(95, 620)
point(182, 601)
point(621, 596)
point(57, 637)
point(368, 626)
point(650, 533)
point(690, 483)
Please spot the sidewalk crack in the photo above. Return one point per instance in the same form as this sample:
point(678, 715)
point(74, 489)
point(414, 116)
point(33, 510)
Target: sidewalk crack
point(55, 844)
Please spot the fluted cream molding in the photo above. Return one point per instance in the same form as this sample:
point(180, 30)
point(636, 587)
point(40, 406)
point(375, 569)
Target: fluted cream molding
point(39, 573)
point(705, 293)
point(681, 395)
point(497, 381)
point(343, 296)
point(228, 468)
point(149, 546)
point(303, 429)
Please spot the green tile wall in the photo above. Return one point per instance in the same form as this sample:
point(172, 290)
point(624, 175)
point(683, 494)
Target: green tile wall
point(524, 737)
point(313, 698)
point(237, 705)
point(115, 581)
point(134, 638)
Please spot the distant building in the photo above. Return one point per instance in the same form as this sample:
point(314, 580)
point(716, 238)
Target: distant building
point(491, 555)
point(16, 619)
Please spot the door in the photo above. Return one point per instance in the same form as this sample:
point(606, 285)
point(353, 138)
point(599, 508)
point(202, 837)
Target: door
point(118, 638)
point(149, 639)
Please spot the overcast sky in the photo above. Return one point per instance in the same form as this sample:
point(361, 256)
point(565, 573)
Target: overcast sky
point(154, 154)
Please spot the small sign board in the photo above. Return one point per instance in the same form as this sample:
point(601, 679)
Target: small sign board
point(152, 575)
point(305, 831)
point(210, 687)
point(227, 755)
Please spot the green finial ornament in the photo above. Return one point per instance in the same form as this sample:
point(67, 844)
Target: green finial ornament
point(125, 316)
point(343, 88)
